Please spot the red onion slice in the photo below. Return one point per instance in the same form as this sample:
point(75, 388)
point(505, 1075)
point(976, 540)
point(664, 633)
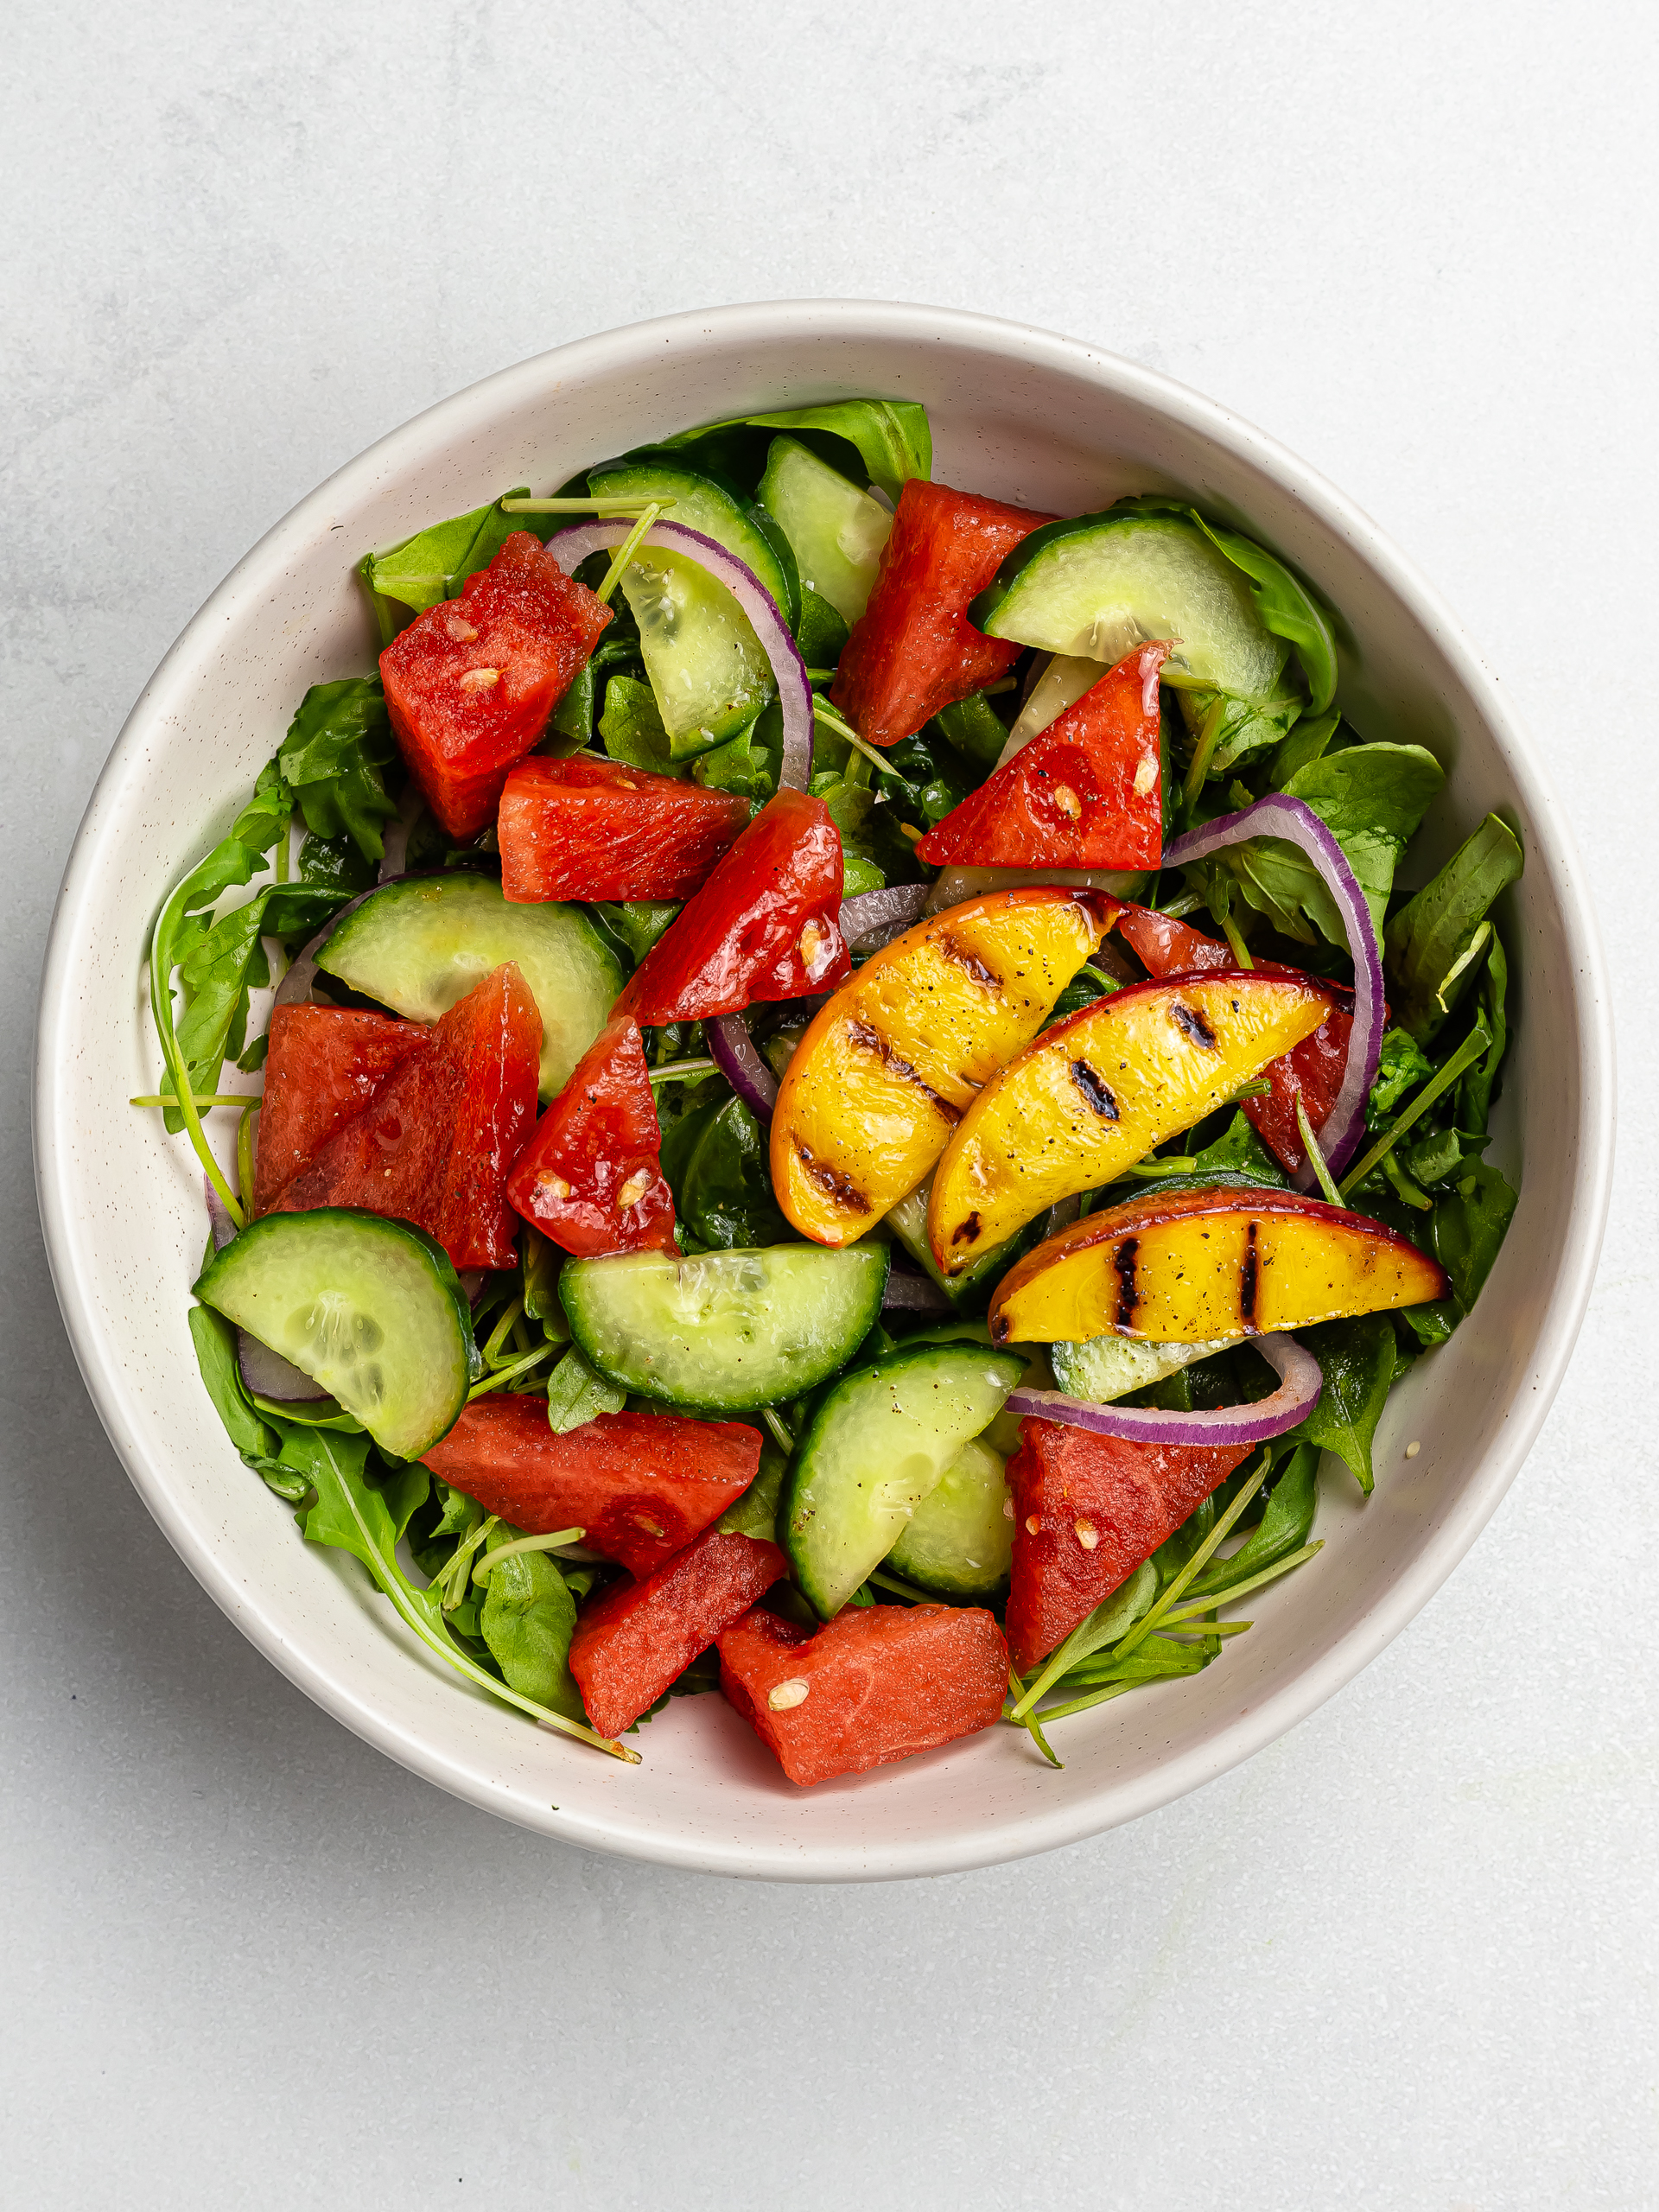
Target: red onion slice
point(1299, 1384)
point(733, 1051)
point(570, 548)
point(872, 916)
point(395, 844)
point(1293, 819)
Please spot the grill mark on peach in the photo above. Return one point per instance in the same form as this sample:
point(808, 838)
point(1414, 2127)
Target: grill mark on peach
point(1098, 1096)
point(1248, 1277)
point(1192, 1023)
point(872, 1041)
point(1127, 1298)
point(952, 948)
point(839, 1189)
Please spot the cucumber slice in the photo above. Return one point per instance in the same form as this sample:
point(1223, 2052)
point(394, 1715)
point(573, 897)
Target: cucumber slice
point(960, 1540)
point(369, 1308)
point(908, 1222)
point(837, 531)
point(419, 946)
point(1103, 1367)
point(877, 1444)
point(1099, 585)
point(700, 504)
point(710, 677)
point(726, 1332)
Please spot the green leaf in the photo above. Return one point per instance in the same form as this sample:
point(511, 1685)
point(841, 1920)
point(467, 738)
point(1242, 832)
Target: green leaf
point(1307, 742)
point(1402, 1065)
point(540, 1274)
point(1244, 726)
point(755, 1513)
point(576, 1396)
point(1467, 1229)
point(1240, 1151)
point(1372, 797)
point(1432, 942)
point(214, 1338)
point(636, 923)
point(435, 563)
point(632, 728)
point(337, 744)
point(1283, 1528)
point(822, 635)
point(216, 977)
point(716, 1164)
point(1475, 1092)
point(1356, 1360)
point(334, 864)
point(977, 730)
point(892, 438)
point(749, 763)
point(528, 1620)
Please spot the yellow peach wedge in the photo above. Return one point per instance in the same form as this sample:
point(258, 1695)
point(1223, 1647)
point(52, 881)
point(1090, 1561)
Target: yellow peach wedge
point(890, 1064)
point(1183, 1266)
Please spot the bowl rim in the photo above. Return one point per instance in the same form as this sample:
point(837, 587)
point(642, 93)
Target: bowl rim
point(1116, 1800)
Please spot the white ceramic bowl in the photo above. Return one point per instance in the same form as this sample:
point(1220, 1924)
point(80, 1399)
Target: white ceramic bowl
point(1023, 415)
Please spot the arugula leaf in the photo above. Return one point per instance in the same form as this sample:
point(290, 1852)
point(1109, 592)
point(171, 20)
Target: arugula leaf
point(1356, 1359)
point(226, 963)
point(576, 1396)
point(1402, 1065)
point(892, 438)
point(1434, 942)
point(1287, 607)
point(921, 779)
point(1306, 743)
point(214, 1339)
point(337, 744)
point(528, 1620)
point(1467, 1229)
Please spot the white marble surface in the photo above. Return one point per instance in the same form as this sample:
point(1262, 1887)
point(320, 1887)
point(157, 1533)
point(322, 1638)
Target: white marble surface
point(1405, 1959)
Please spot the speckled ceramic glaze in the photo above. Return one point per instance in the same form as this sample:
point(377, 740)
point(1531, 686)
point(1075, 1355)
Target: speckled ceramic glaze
point(1022, 415)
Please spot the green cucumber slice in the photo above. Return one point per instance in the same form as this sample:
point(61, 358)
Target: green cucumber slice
point(707, 668)
point(837, 531)
point(420, 945)
point(724, 1332)
point(960, 1539)
point(700, 504)
point(1103, 1367)
point(878, 1443)
point(1098, 585)
point(369, 1308)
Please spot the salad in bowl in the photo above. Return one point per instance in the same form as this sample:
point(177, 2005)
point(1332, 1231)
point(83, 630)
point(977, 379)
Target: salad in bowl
point(849, 1102)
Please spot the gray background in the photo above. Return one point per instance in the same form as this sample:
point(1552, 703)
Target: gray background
point(1404, 1958)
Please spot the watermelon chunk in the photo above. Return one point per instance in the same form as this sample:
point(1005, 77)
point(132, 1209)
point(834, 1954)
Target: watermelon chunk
point(323, 1063)
point(1088, 1510)
point(766, 925)
point(1313, 1070)
point(1085, 792)
point(470, 683)
point(641, 1485)
point(435, 1143)
point(913, 650)
point(630, 1643)
point(591, 1178)
point(600, 829)
point(878, 1684)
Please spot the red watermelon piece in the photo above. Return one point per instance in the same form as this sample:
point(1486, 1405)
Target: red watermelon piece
point(913, 650)
point(642, 1485)
point(878, 1684)
point(435, 1143)
point(600, 829)
point(591, 1178)
point(630, 1643)
point(1088, 1510)
point(1313, 1070)
point(1085, 792)
point(471, 683)
point(323, 1063)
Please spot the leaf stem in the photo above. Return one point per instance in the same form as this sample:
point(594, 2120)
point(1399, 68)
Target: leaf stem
point(1240, 1589)
point(1205, 751)
point(245, 1154)
point(1311, 1146)
point(681, 1071)
point(498, 1335)
point(550, 1543)
point(619, 505)
point(785, 1442)
point(1029, 1721)
point(505, 1374)
point(833, 721)
point(1153, 1619)
point(1468, 1053)
point(626, 549)
point(200, 1100)
point(160, 1008)
point(902, 1589)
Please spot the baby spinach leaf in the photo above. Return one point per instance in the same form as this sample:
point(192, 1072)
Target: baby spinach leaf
point(1284, 1527)
point(540, 1276)
point(1467, 1229)
point(1434, 942)
point(1475, 1091)
point(1085, 988)
point(1372, 797)
point(337, 744)
point(891, 437)
point(755, 1513)
point(716, 1164)
point(1306, 743)
point(435, 563)
point(1356, 1360)
point(528, 1620)
point(632, 728)
point(822, 633)
point(1240, 1151)
point(336, 864)
point(576, 1396)
point(977, 732)
point(1244, 727)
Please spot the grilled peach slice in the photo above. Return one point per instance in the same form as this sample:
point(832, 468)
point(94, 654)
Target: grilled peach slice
point(1095, 1094)
point(890, 1064)
point(1183, 1266)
